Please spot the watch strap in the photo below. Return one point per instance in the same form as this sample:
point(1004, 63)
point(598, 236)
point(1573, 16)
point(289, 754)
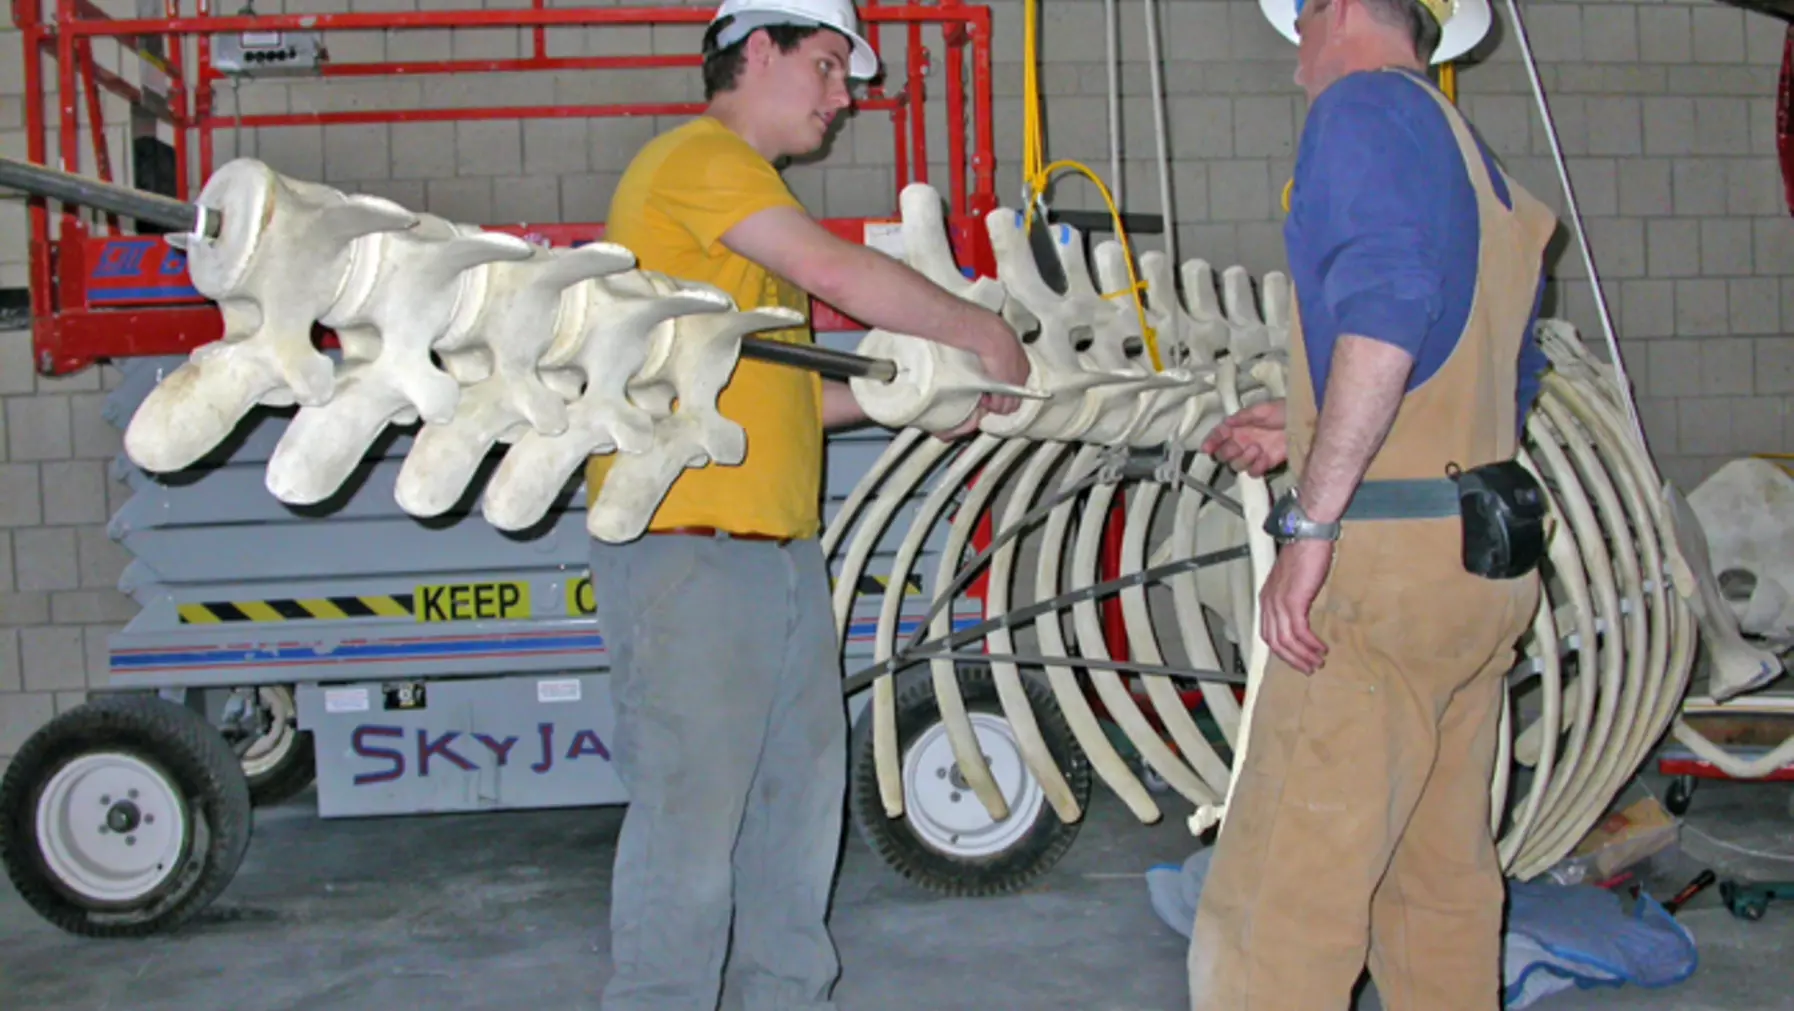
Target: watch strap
point(1287, 522)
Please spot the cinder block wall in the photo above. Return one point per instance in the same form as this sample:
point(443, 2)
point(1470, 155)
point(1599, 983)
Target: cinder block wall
point(1665, 110)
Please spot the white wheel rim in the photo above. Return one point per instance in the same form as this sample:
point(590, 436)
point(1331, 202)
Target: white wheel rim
point(941, 807)
point(268, 751)
point(111, 827)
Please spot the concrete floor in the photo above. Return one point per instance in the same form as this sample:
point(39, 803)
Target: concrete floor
point(506, 911)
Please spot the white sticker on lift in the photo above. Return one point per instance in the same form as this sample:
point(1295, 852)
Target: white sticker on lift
point(887, 238)
point(345, 700)
point(558, 691)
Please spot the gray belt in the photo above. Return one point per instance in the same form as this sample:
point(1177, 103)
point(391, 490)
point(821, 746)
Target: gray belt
point(1416, 499)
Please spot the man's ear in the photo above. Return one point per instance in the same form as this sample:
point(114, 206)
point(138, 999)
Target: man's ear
point(758, 49)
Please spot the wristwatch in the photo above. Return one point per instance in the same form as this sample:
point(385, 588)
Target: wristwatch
point(1288, 522)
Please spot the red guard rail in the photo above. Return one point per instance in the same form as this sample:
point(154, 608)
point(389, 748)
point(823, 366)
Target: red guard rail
point(98, 292)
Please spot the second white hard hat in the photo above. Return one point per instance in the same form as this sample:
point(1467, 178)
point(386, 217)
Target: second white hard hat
point(837, 14)
point(1465, 22)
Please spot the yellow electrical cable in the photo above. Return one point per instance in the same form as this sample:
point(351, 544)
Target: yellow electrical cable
point(1778, 457)
point(1036, 173)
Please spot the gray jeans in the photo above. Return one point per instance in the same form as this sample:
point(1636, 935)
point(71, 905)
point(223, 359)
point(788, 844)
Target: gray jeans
point(732, 742)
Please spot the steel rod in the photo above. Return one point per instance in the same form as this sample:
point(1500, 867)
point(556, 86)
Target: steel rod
point(917, 651)
point(40, 180)
point(831, 364)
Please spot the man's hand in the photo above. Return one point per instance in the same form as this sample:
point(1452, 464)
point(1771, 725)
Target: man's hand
point(1288, 595)
point(1253, 439)
point(1000, 352)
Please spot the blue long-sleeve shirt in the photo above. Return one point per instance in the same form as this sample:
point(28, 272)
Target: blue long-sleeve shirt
point(1383, 230)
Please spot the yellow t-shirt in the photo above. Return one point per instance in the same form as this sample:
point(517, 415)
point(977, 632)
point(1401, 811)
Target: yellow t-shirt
point(679, 195)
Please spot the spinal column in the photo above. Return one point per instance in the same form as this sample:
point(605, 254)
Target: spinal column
point(492, 343)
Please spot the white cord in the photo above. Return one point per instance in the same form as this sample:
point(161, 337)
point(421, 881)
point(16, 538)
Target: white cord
point(1588, 260)
point(1116, 183)
point(1158, 126)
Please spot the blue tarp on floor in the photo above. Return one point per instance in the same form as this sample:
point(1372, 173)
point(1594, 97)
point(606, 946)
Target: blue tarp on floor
point(1558, 936)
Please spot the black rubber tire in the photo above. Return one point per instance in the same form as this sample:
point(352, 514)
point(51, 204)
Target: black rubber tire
point(906, 853)
point(1679, 795)
point(287, 779)
point(183, 747)
point(295, 771)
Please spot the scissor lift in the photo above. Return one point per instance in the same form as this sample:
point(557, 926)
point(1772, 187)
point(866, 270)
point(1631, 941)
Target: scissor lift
point(412, 666)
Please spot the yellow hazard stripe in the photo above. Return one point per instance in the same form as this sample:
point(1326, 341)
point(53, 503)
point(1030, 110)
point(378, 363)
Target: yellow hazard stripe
point(388, 607)
point(398, 605)
point(197, 614)
point(323, 608)
point(259, 610)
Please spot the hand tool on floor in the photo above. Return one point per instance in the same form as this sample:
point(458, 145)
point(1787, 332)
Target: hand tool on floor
point(43, 181)
point(1750, 901)
point(1701, 883)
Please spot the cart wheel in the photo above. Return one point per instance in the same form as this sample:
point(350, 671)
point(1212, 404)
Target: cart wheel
point(946, 842)
point(123, 817)
point(1679, 795)
point(1753, 910)
point(278, 761)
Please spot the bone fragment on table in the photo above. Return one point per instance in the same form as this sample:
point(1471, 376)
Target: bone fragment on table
point(1746, 510)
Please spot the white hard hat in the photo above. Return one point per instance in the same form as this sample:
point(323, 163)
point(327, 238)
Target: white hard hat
point(837, 14)
point(1465, 22)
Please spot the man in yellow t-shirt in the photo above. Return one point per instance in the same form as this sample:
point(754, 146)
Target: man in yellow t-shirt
point(731, 731)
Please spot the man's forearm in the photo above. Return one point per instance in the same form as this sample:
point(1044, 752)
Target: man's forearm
point(882, 292)
point(1365, 383)
point(860, 281)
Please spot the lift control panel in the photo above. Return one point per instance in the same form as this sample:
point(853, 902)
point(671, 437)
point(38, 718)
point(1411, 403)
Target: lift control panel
point(267, 54)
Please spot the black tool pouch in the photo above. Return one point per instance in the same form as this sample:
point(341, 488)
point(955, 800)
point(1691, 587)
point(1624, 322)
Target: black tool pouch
point(1504, 511)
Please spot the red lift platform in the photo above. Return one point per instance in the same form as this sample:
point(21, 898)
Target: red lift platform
point(99, 291)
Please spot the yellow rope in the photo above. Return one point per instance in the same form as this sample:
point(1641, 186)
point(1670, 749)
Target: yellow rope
point(1037, 173)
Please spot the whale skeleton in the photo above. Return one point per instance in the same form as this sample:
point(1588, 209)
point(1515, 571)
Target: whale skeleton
point(551, 356)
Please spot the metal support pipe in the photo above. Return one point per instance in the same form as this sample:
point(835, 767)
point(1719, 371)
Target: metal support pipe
point(40, 180)
point(830, 363)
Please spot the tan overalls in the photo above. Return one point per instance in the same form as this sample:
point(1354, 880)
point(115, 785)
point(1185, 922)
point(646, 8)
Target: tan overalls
point(1360, 822)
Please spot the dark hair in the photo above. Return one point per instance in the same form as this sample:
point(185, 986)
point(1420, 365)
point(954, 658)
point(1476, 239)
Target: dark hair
point(1423, 29)
point(722, 65)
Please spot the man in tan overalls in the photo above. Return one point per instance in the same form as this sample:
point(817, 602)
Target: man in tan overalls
point(1359, 827)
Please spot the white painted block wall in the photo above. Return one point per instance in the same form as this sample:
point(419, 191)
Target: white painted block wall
point(1665, 109)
